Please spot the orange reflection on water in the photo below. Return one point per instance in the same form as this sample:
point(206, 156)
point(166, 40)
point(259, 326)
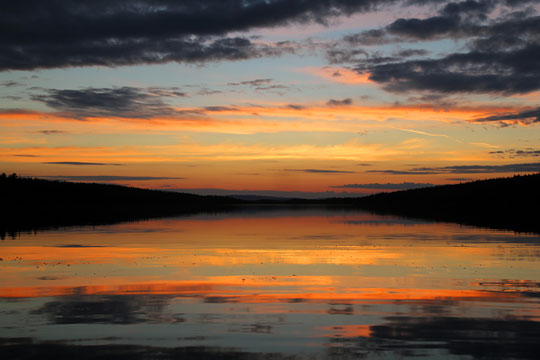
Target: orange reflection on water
point(320, 280)
point(342, 251)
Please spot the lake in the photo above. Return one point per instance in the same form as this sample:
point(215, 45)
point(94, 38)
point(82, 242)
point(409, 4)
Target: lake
point(283, 283)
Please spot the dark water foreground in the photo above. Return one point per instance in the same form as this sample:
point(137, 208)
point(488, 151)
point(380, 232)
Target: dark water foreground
point(309, 284)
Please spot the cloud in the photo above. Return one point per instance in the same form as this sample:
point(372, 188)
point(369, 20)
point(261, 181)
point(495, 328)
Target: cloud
point(253, 83)
point(296, 106)
point(113, 33)
point(387, 186)
point(51, 132)
point(465, 169)
point(422, 132)
point(10, 83)
point(411, 52)
point(454, 20)
point(126, 102)
point(79, 163)
point(109, 178)
point(321, 171)
point(523, 117)
point(137, 51)
point(260, 84)
point(344, 102)
point(500, 56)
point(509, 72)
point(513, 153)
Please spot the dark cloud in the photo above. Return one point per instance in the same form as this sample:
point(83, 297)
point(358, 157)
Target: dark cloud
point(465, 169)
point(25, 155)
point(476, 71)
point(125, 102)
point(109, 177)
point(296, 107)
point(345, 55)
point(17, 111)
point(387, 186)
point(423, 29)
point(411, 53)
point(344, 102)
point(51, 132)
point(500, 55)
point(368, 38)
point(321, 171)
point(77, 246)
point(435, 100)
point(135, 51)
point(454, 20)
point(48, 278)
point(260, 84)
point(206, 92)
point(514, 153)
point(12, 97)
point(272, 88)
point(10, 83)
point(403, 172)
point(254, 83)
point(79, 163)
point(459, 179)
point(524, 117)
point(69, 33)
point(219, 108)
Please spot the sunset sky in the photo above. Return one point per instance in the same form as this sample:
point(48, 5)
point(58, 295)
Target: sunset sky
point(270, 96)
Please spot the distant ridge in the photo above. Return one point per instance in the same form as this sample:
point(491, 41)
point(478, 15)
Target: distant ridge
point(505, 203)
point(31, 204)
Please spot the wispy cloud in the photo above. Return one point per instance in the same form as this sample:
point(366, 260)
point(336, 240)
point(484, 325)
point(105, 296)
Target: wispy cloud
point(387, 186)
point(80, 163)
point(321, 171)
point(522, 117)
point(124, 102)
point(517, 153)
point(344, 102)
point(118, 34)
point(109, 178)
point(422, 132)
point(51, 132)
point(465, 169)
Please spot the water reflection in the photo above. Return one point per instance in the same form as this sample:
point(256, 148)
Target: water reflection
point(293, 285)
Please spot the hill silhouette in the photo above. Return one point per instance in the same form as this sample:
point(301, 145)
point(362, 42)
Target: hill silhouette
point(503, 203)
point(32, 204)
point(29, 204)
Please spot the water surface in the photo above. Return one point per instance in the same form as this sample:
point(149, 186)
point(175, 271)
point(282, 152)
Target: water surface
point(277, 284)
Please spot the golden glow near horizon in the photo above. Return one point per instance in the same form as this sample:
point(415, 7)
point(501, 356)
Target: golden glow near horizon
point(317, 107)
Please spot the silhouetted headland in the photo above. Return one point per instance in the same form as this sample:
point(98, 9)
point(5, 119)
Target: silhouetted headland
point(502, 203)
point(31, 204)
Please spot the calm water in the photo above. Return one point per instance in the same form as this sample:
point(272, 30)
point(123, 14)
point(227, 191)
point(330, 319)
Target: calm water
point(277, 284)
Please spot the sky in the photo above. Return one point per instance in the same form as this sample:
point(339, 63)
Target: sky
point(276, 97)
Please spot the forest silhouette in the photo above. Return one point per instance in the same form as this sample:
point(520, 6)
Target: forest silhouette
point(33, 204)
